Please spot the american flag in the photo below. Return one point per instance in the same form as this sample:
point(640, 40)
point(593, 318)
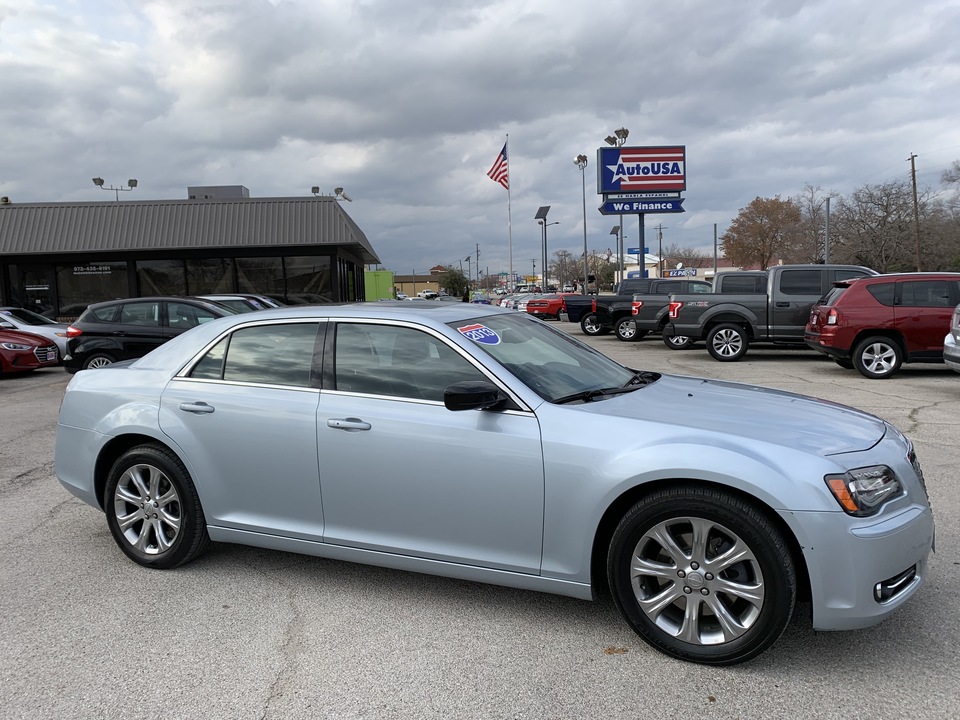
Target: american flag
point(500, 172)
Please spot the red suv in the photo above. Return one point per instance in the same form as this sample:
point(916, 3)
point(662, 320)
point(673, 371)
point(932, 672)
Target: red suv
point(875, 324)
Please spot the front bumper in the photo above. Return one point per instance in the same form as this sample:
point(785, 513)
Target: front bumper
point(861, 571)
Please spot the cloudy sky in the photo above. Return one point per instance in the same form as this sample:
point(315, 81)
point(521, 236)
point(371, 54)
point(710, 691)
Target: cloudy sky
point(406, 103)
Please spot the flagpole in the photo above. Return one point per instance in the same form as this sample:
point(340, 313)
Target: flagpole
point(510, 282)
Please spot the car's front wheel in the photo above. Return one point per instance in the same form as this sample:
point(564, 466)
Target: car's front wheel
point(153, 510)
point(702, 575)
point(877, 357)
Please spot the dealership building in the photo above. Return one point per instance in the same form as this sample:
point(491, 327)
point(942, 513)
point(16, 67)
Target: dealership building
point(57, 258)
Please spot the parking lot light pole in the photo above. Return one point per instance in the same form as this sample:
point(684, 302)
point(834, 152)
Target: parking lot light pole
point(581, 162)
point(131, 184)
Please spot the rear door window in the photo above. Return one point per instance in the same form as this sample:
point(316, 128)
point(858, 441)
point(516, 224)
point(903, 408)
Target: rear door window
point(273, 354)
point(141, 314)
point(926, 293)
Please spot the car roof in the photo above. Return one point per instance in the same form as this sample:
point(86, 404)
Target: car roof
point(435, 314)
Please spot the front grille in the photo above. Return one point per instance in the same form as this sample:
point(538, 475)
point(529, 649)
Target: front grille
point(46, 354)
point(887, 590)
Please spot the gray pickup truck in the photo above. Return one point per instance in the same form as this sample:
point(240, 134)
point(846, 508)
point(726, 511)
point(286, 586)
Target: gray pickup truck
point(599, 314)
point(650, 310)
point(731, 323)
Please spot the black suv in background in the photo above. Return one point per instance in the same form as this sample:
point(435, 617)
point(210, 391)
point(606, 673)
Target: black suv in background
point(115, 330)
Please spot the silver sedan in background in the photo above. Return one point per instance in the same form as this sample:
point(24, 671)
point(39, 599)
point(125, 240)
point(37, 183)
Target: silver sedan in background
point(708, 508)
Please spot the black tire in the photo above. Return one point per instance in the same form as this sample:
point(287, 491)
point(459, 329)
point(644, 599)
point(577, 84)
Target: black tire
point(844, 363)
point(153, 510)
point(97, 360)
point(758, 592)
point(877, 357)
point(590, 325)
point(626, 330)
point(727, 342)
point(677, 342)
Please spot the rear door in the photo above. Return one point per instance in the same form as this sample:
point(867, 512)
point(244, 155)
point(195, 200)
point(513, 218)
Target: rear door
point(139, 328)
point(245, 414)
point(923, 313)
point(796, 292)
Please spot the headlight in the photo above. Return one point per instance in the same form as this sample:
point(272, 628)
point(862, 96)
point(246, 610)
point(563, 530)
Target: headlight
point(861, 492)
point(15, 346)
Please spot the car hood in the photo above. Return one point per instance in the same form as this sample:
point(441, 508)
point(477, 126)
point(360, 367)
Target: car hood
point(752, 412)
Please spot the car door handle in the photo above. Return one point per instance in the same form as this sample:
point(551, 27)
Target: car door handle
point(348, 424)
point(198, 408)
point(783, 304)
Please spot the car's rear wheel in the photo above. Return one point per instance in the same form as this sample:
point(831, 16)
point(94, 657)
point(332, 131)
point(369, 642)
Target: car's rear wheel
point(626, 330)
point(727, 342)
point(677, 342)
point(97, 360)
point(590, 325)
point(877, 357)
point(702, 575)
point(153, 510)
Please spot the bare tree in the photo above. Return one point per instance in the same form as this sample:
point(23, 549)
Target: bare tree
point(808, 246)
point(763, 231)
point(690, 257)
point(875, 227)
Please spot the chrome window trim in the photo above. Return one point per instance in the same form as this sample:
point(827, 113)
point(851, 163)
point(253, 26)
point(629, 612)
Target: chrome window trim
point(525, 408)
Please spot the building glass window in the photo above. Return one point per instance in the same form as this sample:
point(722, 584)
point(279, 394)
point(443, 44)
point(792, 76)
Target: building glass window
point(90, 282)
point(261, 276)
point(161, 277)
point(308, 278)
point(210, 276)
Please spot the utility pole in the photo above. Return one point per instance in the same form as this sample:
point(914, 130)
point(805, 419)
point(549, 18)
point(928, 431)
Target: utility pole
point(916, 208)
point(660, 254)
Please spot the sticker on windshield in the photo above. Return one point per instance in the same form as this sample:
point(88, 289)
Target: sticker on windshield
point(480, 333)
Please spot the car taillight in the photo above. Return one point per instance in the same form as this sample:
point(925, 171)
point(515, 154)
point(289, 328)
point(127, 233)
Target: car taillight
point(832, 317)
point(73, 332)
point(675, 310)
point(635, 307)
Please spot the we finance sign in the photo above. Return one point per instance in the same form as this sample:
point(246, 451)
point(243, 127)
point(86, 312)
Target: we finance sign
point(641, 169)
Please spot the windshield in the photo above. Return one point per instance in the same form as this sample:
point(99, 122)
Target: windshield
point(553, 364)
point(26, 316)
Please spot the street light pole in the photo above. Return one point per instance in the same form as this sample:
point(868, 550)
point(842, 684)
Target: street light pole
point(581, 162)
point(131, 184)
point(618, 138)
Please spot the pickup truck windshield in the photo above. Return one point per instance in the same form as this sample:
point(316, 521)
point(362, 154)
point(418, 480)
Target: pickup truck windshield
point(551, 363)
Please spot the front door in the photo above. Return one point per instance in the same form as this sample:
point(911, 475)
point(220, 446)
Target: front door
point(400, 473)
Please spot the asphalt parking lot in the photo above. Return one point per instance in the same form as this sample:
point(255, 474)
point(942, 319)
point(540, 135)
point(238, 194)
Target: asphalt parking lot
point(250, 633)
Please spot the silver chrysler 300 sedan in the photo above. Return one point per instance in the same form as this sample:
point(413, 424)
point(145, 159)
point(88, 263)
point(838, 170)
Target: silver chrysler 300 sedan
point(707, 508)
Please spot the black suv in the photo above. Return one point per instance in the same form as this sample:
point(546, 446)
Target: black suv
point(115, 330)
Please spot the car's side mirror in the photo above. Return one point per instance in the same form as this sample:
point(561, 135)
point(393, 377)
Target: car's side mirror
point(472, 395)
